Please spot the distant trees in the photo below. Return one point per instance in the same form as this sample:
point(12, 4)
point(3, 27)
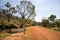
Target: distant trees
point(45, 22)
point(51, 22)
point(52, 18)
point(58, 22)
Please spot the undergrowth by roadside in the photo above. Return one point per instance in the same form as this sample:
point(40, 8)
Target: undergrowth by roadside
point(3, 35)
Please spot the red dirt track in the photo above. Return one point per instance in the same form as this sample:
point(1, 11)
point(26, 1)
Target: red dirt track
point(41, 33)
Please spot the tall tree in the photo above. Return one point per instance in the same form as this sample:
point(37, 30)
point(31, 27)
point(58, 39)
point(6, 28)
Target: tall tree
point(27, 11)
point(9, 12)
point(52, 19)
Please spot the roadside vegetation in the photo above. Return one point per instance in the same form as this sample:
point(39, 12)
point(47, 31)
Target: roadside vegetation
point(3, 35)
point(51, 22)
point(10, 23)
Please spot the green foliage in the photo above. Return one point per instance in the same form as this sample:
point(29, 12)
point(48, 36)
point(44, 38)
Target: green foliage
point(52, 18)
point(51, 22)
point(27, 11)
point(57, 22)
point(45, 22)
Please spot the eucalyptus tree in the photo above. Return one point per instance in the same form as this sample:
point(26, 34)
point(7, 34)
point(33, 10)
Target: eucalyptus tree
point(9, 12)
point(52, 19)
point(27, 11)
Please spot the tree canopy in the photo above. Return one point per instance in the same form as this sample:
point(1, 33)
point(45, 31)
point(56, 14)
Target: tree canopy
point(26, 10)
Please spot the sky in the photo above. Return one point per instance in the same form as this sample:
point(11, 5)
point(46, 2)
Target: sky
point(43, 8)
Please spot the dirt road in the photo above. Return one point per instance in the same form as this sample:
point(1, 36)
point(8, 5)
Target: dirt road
point(38, 33)
point(41, 33)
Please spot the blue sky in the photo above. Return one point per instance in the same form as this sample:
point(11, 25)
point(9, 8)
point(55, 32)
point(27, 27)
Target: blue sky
point(43, 8)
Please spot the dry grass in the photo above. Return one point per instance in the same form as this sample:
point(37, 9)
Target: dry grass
point(3, 35)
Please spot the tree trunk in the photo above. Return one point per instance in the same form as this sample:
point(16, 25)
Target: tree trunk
point(10, 31)
point(24, 29)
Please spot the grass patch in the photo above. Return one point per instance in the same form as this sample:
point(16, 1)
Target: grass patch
point(56, 28)
point(28, 31)
point(3, 34)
